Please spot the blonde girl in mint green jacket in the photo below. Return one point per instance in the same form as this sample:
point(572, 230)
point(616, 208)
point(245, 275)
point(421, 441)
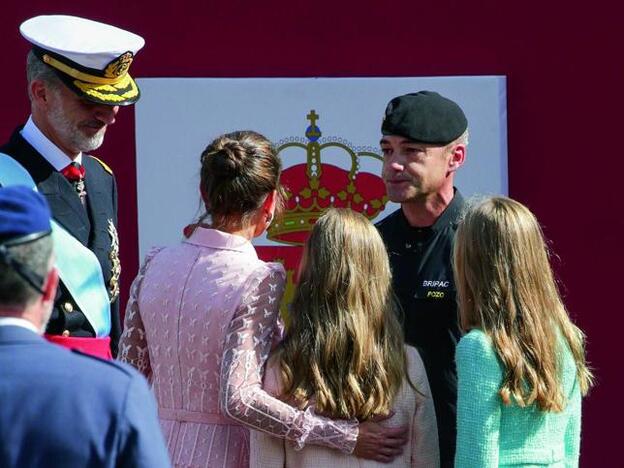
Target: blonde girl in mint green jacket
point(521, 366)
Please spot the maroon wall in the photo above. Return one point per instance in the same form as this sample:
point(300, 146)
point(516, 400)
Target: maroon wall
point(564, 69)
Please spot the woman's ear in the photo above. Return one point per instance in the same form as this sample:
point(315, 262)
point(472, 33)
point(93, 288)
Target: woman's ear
point(269, 204)
point(266, 213)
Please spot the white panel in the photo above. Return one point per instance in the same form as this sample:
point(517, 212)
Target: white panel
point(177, 117)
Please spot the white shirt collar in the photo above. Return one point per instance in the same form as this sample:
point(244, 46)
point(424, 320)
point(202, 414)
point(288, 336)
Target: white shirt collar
point(18, 322)
point(52, 153)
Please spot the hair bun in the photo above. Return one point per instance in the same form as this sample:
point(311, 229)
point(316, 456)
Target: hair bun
point(238, 170)
point(228, 161)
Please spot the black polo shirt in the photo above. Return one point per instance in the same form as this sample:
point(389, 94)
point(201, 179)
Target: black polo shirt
point(420, 258)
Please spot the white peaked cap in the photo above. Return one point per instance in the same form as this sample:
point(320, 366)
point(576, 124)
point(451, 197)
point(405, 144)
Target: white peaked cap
point(86, 42)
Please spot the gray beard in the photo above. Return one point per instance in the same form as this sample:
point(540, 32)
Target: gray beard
point(72, 134)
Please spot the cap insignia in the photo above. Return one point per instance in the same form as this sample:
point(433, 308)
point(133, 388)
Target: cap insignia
point(119, 66)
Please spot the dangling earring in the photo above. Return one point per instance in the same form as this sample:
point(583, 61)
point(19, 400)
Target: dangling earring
point(269, 218)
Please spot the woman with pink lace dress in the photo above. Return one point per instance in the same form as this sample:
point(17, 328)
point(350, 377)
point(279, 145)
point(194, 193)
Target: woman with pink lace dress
point(203, 316)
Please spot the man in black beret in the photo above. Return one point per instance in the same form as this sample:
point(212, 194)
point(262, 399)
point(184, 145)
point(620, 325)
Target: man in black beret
point(424, 143)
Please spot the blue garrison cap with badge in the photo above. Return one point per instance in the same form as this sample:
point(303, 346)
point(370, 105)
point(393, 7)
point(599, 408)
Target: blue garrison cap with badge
point(24, 217)
point(426, 117)
point(91, 58)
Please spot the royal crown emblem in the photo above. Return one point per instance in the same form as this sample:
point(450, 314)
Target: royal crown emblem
point(317, 185)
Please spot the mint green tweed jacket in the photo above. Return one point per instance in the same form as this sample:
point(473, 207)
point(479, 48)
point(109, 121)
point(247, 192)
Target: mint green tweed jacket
point(490, 434)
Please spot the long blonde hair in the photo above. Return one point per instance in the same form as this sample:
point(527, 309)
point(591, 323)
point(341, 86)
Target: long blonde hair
point(507, 289)
point(344, 346)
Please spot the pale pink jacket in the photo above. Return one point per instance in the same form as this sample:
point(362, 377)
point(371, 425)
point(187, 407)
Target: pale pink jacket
point(411, 408)
point(200, 323)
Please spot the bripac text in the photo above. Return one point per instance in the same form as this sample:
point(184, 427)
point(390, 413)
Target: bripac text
point(435, 284)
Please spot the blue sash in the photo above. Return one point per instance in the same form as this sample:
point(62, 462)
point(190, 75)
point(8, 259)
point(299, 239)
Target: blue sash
point(78, 267)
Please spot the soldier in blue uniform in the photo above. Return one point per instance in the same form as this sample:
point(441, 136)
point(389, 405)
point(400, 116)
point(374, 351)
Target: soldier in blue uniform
point(59, 408)
point(424, 143)
point(77, 78)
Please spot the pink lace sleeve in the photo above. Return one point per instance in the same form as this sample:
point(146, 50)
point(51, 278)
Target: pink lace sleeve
point(133, 344)
point(247, 346)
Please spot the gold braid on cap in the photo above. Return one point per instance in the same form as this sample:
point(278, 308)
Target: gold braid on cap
point(115, 72)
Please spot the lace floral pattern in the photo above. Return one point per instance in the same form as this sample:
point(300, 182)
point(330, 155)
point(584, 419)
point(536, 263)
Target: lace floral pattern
point(132, 344)
point(200, 324)
point(248, 343)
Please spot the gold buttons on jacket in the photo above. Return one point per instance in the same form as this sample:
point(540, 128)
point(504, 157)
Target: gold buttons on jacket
point(65, 333)
point(68, 307)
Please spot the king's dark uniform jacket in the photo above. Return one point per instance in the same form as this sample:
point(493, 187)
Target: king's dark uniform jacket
point(89, 224)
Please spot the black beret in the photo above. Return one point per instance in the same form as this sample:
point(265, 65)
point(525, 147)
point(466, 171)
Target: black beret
point(425, 117)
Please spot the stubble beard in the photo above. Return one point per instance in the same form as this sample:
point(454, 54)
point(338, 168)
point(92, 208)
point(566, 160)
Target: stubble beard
point(405, 195)
point(72, 134)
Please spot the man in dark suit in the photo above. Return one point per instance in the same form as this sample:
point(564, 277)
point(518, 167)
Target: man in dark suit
point(77, 79)
point(59, 407)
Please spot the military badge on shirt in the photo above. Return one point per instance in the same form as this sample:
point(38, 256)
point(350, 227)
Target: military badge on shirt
point(435, 289)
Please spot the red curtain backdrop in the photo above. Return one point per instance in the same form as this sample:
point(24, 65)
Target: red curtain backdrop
point(564, 68)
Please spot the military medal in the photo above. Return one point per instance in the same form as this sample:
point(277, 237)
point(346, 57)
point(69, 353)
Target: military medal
point(75, 174)
point(113, 289)
point(80, 188)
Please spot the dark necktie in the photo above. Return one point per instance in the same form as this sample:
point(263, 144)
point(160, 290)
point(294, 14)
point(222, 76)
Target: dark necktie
point(75, 174)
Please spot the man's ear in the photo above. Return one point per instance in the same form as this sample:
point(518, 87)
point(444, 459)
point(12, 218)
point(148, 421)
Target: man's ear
point(39, 92)
point(50, 285)
point(458, 156)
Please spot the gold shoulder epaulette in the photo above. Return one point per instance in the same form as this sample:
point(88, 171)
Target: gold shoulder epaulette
point(103, 164)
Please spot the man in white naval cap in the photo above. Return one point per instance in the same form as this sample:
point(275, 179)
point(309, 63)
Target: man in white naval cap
point(78, 77)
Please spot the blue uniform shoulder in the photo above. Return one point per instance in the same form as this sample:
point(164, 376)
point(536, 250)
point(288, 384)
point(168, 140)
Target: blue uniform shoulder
point(113, 366)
